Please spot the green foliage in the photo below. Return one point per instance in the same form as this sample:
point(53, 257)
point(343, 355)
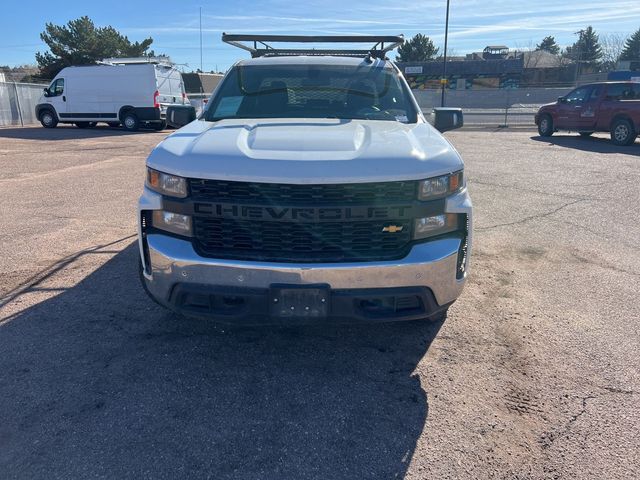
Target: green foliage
point(80, 42)
point(587, 49)
point(631, 49)
point(419, 49)
point(548, 44)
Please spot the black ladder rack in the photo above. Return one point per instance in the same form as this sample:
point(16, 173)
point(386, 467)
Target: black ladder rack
point(259, 45)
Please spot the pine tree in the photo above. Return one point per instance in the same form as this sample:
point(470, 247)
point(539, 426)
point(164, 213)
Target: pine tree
point(632, 47)
point(419, 49)
point(587, 50)
point(548, 44)
point(80, 42)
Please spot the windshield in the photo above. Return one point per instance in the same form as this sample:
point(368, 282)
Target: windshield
point(312, 91)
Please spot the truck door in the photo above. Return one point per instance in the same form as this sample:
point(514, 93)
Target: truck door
point(571, 108)
point(56, 97)
point(588, 111)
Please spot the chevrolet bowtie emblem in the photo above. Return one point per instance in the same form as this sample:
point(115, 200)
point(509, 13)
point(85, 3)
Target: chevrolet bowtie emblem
point(393, 229)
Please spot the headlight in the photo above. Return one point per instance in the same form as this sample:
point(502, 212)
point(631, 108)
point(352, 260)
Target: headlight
point(436, 225)
point(172, 222)
point(166, 184)
point(438, 187)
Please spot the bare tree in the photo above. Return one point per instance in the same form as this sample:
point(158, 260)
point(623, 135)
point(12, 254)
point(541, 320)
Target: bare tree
point(612, 46)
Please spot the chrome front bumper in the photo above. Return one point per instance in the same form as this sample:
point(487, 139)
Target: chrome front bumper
point(432, 264)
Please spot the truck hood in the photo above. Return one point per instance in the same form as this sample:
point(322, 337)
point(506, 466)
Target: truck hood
point(305, 151)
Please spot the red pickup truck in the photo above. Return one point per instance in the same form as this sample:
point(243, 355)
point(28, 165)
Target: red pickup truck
point(599, 107)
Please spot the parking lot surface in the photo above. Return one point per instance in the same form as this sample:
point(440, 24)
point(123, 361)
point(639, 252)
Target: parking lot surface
point(533, 375)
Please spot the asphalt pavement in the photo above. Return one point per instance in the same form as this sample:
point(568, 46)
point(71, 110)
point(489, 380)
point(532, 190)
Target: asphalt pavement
point(533, 375)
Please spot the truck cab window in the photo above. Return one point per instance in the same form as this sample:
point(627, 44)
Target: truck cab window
point(579, 95)
point(56, 88)
point(619, 91)
point(595, 92)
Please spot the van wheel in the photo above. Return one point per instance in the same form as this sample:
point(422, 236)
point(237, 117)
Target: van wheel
point(545, 127)
point(159, 126)
point(113, 124)
point(131, 122)
point(48, 119)
point(622, 132)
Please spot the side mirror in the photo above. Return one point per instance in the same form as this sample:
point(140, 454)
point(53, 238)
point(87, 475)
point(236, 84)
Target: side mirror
point(562, 100)
point(46, 91)
point(180, 115)
point(446, 119)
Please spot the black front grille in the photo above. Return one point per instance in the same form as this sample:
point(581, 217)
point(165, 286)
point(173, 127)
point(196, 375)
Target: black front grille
point(332, 241)
point(302, 242)
point(312, 195)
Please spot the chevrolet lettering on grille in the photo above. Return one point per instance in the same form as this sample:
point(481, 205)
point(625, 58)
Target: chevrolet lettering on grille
point(302, 214)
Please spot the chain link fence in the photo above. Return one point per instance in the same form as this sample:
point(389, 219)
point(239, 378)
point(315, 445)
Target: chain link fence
point(493, 108)
point(18, 103)
point(497, 107)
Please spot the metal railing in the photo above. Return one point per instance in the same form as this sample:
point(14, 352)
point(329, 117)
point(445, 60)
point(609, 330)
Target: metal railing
point(493, 107)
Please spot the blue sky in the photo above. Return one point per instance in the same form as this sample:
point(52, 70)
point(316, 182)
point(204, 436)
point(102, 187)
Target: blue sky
point(174, 25)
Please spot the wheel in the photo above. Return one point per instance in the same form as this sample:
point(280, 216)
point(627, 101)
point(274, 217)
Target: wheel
point(130, 122)
point(113, 124)
point(83, 124)
point(585, 134)
point(622, 132)
point(545, 127)
point(48, 119)
point(159, 126)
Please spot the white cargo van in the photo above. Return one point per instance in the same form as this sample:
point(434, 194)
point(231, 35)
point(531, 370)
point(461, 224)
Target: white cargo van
point(132, 95)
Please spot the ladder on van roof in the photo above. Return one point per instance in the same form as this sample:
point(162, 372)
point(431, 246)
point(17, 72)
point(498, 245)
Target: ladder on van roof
point(260, 45)
point(159, 60)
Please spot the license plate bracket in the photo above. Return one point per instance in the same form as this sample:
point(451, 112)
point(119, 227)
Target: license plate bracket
point(286, 301)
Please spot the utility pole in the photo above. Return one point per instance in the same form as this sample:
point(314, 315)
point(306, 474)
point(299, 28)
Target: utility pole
point(579, 45)
point(443, 81)
point(201, 40)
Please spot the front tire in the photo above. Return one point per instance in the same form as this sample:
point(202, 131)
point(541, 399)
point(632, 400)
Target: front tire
point(159, 126)
point(48, 119)
point(130, 122)
point(545, 126)
point(622, 132)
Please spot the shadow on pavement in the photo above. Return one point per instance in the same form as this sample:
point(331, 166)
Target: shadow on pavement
point(589, 144)
point(100, 381)
point(68, 132)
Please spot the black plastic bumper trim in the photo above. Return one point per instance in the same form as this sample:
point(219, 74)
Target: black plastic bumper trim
point(251, 306)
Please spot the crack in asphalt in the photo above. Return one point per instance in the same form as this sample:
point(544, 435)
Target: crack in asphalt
point(604, 265)
point(599, 234)
point(549, 438)
point(532, 217)
point(531, 190)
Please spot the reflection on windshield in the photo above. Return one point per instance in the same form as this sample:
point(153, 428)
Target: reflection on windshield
point(312, 91)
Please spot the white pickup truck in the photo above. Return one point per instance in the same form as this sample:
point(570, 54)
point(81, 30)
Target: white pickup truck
point(312, 189)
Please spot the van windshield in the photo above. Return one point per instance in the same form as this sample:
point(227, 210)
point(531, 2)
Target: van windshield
point(312, 91)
